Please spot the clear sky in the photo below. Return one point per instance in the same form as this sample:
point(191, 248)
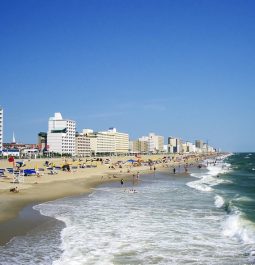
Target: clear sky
point(176, 68)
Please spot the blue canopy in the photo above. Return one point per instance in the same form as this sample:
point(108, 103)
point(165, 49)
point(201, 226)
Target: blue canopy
point(131, 160)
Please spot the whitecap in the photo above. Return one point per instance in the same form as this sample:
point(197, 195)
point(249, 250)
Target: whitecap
point(219, 201)
point(240, 228)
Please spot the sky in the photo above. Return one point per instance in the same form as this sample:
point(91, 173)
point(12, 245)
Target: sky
point(183, 68)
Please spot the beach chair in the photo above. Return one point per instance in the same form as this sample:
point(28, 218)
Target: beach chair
point(29, 172)
point(10, 170)
point(18, 176)
point(2, 173)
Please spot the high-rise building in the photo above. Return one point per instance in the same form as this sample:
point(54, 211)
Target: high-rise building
point(85, 143)
point(61, 135)
point(121, 140)
point(109, 142)
point(143, 144)
point(199, 144)
point(42, 141)
point(1, 127)
point(155, 143)
point(174, 145)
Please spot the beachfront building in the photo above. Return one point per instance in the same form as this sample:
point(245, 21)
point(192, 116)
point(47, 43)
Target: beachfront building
point(61, 135)
point(11, 152)
point(121, 141)
point(199, 144)
point(143, 144)
point(85, 143)
point(188, 147)
point(110, 142)
point(42, 142)
point(134, 147)
point(1, 127)
point(174, 145)
point(155, 143)
point(106, 144)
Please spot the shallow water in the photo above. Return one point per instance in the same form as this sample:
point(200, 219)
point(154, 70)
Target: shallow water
point(168, 220)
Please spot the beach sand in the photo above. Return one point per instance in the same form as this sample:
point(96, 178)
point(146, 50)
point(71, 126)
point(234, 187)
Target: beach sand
point(48, 187)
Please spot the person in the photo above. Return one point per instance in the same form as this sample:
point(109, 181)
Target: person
point(121, 182)
point(14, 190)
point(174, 170)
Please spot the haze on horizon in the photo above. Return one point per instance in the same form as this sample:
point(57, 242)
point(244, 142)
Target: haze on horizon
point(176, 68)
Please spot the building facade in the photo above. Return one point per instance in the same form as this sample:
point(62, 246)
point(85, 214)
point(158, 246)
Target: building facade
point(199, 144)
point(109, 142)
point(121, 141)
point(174, 145)
point(42, 142)
point(61, 135)
point(155, 143)
point(85, 144)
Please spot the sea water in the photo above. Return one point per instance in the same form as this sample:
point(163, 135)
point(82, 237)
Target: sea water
point(204, 219)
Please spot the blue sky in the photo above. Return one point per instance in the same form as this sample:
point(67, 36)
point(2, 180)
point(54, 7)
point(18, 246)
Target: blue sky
point(177, 68)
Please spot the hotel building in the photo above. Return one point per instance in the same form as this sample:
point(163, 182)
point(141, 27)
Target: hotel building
point(61, 135)
point(108, 142)
point(1, 127)
point(148, 144)
point(174, 145)
point(121, 141)
point(85, 143)
point(199, 144)
point(143, 145)
point(155, 143)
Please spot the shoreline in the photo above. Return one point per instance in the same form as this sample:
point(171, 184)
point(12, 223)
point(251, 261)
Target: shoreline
point(14, 204)
point(29, 219)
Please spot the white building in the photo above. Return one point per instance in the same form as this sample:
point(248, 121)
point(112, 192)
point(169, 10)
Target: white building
point(148, 144)
point(82, 145)
point(108, 142)
point(143, 144)
point(121, 140)
point(188, 147)
point(155, 143)
point(61, 135)
point(1, 127)
point(174, 145)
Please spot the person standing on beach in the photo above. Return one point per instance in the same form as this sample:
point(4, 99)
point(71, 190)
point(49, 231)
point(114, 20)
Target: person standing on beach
point(122, 182)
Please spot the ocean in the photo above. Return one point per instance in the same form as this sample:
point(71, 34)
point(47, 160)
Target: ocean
point(206, 218)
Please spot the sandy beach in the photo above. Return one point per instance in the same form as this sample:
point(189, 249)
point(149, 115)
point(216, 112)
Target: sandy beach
point(46, 187)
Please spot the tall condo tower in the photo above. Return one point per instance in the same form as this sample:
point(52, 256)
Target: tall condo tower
point(61, 135)
point(1, 127)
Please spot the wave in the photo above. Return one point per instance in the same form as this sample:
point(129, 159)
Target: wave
point(244, 199)
point(198, 185)
point(215, 168)
point(239, 227)
point(219, 201)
